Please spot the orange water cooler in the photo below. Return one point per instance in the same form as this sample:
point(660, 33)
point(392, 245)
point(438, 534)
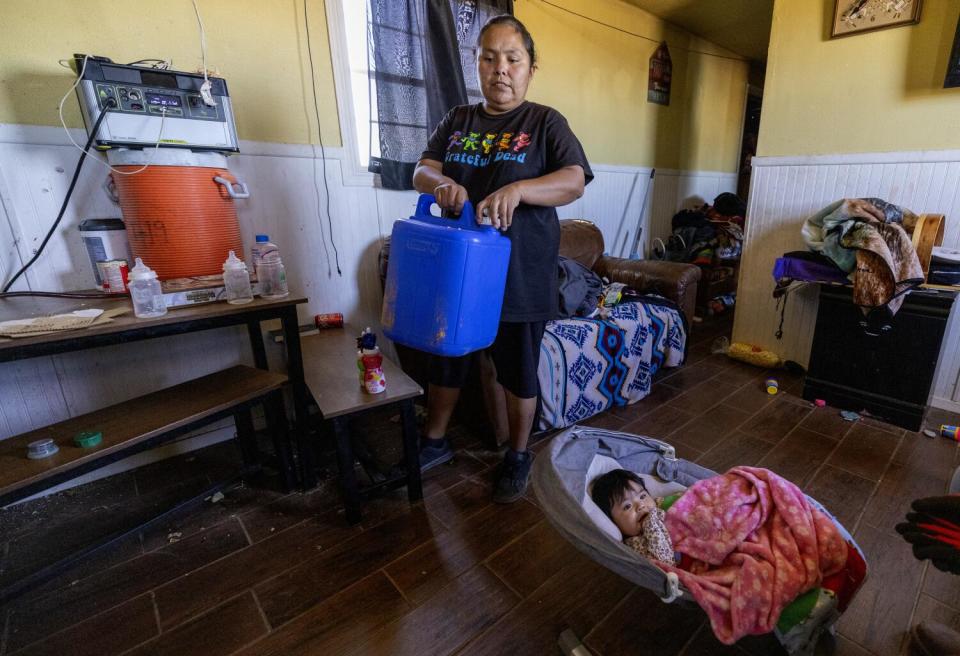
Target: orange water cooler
point(180, 211)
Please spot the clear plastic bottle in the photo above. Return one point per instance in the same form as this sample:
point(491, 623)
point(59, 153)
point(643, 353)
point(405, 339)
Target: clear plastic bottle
point(262, 247)
point(271, 274)
point(236, 281)
point(145, 292)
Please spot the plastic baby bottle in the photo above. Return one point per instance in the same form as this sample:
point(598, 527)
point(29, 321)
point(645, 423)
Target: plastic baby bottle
point(145, 292)
point(236, 281)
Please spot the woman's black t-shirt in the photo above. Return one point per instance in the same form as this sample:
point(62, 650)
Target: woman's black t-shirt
point(484, 152)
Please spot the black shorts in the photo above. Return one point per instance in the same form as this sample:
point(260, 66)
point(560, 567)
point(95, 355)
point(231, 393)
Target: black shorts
point(515, 353)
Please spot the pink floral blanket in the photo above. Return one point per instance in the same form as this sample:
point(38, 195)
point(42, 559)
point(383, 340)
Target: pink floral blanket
point(755, 544)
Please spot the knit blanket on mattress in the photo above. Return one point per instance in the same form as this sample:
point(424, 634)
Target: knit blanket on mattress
point(589, 365)
point(756, 543)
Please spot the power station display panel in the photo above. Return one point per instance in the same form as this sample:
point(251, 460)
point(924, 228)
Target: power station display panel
point(145, 106)
point(163, 99)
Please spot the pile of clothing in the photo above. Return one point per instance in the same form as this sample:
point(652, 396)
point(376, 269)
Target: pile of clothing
point(865, 241)
point(705, 235)
point(585, 294)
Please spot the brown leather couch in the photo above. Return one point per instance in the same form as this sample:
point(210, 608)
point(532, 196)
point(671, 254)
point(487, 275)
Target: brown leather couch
point(582, 241)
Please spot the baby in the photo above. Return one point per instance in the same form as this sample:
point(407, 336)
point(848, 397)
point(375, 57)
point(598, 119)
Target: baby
point(622, 495)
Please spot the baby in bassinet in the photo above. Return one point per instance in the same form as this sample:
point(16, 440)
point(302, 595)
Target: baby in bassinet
point(622, 495)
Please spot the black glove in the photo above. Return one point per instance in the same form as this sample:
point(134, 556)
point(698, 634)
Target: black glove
point(934, 531)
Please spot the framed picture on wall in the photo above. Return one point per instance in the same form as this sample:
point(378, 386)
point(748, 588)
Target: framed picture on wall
point(953, 64)
point(856, 16)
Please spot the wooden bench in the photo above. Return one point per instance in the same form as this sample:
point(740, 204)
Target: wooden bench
point(330, 372)
point(141, 424)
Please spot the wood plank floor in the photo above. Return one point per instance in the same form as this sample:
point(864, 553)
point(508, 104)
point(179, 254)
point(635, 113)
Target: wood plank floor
point(262, 572)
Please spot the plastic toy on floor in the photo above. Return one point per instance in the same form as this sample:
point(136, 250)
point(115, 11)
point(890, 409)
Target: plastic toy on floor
point(754, 355)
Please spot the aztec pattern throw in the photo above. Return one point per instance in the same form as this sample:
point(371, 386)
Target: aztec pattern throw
point(589, 365)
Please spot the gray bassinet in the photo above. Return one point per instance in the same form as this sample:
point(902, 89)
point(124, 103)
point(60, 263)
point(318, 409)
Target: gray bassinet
point(560, 481)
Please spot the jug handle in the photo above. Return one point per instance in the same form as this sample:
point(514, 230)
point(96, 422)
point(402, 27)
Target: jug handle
point(465, 220)
point(229, 186)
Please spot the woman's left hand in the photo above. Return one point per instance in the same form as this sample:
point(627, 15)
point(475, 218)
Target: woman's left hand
point(500, 205)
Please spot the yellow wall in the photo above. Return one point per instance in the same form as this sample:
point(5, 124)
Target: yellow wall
point(596, 76)
point(257, 45)
point(873, 92)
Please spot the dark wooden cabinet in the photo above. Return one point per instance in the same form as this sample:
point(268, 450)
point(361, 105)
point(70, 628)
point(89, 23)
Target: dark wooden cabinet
point(889, 373)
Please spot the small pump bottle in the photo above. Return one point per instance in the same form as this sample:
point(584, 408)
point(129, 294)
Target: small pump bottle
point(236, 281)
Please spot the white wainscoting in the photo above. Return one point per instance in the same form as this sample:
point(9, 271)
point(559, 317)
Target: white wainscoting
point(35, 168)
point(785, 190)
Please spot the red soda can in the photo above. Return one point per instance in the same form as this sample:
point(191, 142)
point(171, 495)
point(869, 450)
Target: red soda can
point(331, 320)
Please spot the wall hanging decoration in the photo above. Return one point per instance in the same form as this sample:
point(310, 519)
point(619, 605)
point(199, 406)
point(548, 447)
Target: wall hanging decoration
point(661, 70)
point(855, 16)
point(953, 64)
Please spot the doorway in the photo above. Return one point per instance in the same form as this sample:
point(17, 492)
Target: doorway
point(748, 141)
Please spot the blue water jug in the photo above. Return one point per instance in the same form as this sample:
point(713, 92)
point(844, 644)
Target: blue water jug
point(445, 282)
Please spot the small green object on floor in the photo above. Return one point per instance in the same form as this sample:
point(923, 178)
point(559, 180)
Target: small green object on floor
point(849, 415)
point(88, 439)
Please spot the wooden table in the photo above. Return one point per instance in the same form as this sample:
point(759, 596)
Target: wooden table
point(128, 328)
point(330, 372)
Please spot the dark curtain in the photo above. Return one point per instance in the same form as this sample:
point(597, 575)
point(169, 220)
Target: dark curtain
point(422, 57)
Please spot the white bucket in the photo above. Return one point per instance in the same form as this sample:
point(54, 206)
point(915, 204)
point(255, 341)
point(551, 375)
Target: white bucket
point(105, 240)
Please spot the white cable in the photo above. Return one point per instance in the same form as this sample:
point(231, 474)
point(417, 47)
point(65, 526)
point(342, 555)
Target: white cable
point(163, 114)
point(205, 88)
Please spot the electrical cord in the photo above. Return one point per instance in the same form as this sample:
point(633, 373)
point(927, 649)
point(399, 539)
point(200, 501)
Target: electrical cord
point(323, 156)
point(66, 199)
point(207, 85)
point(162, 64)
point(156, 147)
point(65, 294)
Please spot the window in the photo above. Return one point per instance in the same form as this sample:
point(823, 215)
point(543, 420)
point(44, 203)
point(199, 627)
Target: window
point(348, 27)
point(424, 63)
point(362, 85)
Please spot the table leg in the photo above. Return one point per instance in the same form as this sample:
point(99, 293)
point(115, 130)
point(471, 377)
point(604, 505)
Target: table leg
point(247, 437)
point(256, 345)
point(349, 489)
point(411, 450)
point(280, 433)
point(291, 338)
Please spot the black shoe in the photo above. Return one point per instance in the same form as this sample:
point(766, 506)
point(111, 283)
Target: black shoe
point(434, 452)
point(513, 478)
point(934, 639)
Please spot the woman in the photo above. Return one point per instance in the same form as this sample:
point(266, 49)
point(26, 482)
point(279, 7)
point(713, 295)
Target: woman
point(515, 161)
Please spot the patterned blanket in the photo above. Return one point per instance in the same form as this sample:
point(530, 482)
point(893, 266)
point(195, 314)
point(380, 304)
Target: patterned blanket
point(756, 543)
point(589, 365)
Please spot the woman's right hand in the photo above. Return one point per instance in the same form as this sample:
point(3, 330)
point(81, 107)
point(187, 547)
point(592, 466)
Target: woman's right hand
point(450, 196)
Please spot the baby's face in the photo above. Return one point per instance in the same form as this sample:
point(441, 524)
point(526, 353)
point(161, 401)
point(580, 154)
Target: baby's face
point(631, 510)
